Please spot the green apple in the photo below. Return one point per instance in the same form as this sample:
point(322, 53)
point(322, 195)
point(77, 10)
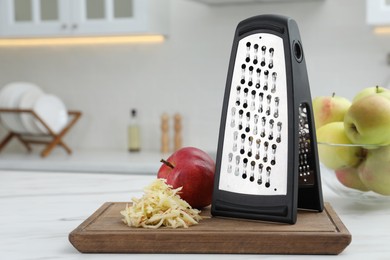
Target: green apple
point(367, 121)
point(332, 153)
point(327, 109)
point(371, 91)
point(374, 172)
point(349, 177)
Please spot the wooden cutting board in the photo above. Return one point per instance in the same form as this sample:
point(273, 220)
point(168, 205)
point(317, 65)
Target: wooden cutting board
point(314, 233)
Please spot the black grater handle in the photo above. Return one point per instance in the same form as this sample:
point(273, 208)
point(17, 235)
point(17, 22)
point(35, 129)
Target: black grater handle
point(224, 206)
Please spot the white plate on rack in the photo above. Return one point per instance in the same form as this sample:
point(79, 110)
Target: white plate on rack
point(10, 96)
point(52, 111)
point(27, 101)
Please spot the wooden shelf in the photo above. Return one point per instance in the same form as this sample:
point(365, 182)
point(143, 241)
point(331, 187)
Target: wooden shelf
point(50, 140)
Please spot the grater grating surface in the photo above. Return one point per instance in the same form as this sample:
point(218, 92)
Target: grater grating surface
point(267, 163)
point(306, 156)
point(255, 147)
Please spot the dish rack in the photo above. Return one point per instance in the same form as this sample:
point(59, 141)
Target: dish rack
point(50, 140)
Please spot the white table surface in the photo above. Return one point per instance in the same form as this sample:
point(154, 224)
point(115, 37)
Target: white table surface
point(40, 209)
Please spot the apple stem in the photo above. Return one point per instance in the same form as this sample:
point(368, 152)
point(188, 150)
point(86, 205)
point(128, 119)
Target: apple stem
point(170, 165)
point(333, 94)
point(377, 89)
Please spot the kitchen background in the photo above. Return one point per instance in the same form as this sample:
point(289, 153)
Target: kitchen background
point(187, 72)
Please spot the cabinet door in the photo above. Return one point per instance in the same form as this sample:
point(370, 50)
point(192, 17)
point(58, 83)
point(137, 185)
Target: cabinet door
point(378, 12)
point(109, 16)
point(34, 17)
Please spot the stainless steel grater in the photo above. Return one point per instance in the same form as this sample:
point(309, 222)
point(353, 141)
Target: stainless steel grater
point(267, 163)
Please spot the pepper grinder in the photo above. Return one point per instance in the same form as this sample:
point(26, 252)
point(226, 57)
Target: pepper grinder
point(164, 133)
point(178, 141)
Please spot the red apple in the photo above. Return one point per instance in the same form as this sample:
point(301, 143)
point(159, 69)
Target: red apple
point(192, 169)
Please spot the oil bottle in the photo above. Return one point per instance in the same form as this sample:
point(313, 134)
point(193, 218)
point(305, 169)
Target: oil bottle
point(133, 132)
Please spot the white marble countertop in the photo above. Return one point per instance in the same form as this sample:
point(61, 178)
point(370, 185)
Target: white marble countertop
point(40, 209)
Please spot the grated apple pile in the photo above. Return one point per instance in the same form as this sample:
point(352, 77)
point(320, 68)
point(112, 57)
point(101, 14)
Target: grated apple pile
point(160, 206)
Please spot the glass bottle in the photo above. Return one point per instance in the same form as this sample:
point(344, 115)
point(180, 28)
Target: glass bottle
point(133, 132)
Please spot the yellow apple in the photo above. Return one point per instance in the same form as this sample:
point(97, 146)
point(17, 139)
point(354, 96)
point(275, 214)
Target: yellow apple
point(349, 177)
point(327, 109)
point(371, 91)
point(374, 172)
point(367, 121)
point(332, 153)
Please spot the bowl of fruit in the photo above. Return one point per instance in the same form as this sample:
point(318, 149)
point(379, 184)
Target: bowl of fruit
point(353, 139)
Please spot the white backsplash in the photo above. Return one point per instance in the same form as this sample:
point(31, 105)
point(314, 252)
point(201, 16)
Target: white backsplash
point(187, 72)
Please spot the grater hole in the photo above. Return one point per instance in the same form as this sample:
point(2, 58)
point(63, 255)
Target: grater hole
point(252, 178)
point(245, 161)
point(242, 81)
point(255, 61)
point(241, 112)
point(243, 66)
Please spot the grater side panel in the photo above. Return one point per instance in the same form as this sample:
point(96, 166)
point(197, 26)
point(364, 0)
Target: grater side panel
point(255, 148)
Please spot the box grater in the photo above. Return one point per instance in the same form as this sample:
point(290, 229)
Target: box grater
point(267, 164)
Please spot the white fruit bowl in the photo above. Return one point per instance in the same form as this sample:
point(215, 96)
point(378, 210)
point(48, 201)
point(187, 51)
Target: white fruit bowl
point(368, 181)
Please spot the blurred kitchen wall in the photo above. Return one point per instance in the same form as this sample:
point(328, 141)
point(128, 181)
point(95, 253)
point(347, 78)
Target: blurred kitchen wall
point(187, 72)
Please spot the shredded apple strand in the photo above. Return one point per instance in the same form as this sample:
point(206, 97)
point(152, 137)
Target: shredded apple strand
point(160, 206)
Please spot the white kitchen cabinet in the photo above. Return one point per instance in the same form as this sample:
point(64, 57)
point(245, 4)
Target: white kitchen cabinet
point(378, 12)
point(45, 18)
